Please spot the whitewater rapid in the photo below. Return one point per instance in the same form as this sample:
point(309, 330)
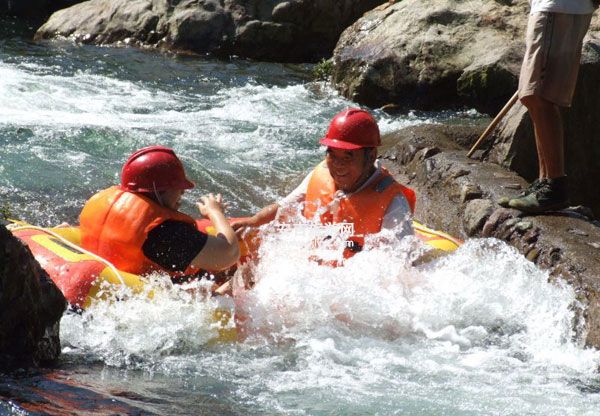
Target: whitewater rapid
point(479, 331)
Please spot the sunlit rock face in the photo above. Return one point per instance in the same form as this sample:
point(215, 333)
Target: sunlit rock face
point(31, 307)
point(295, 31)
point(431, 54)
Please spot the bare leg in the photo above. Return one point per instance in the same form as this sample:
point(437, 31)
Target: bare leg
point(549, 136)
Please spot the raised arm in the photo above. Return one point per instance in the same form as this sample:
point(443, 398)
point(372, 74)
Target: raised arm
point(222, 251)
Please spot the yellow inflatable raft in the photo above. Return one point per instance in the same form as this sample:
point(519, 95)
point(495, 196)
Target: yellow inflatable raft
point(436, 239)
point(84, 277)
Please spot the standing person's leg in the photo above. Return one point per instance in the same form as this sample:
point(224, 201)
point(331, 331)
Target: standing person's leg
point(547, 82)
point(549, 136)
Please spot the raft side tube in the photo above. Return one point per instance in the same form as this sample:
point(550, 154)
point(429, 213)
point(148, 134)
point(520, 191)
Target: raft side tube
point(81, 276)
point(436, 239)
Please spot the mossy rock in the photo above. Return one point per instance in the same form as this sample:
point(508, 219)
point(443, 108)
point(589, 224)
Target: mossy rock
point(323, 70)
point(490, 86)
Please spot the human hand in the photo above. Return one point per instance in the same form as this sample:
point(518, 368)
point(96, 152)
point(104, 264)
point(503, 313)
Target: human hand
point(240, 226)
point(210, 204)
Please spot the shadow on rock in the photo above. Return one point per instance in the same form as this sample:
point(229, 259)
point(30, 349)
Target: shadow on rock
point(31, 307)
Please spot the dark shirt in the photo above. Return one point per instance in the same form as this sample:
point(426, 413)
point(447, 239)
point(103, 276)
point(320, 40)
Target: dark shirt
point(174, 244)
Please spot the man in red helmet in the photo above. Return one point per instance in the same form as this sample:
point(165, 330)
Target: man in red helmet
point(349, 186)
point(137, 225)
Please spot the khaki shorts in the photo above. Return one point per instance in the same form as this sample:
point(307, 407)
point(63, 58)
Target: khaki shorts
point(553, 50)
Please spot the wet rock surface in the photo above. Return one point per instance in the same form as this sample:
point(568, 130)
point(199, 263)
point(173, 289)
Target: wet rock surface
point(298, 31)
point(31, 307)
point(458, 195)
point(432, 54)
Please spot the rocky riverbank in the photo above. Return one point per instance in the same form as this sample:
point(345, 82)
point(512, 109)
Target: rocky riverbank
point(290, 31)
point(459, 195)
point(432, 54)
point(409, 54)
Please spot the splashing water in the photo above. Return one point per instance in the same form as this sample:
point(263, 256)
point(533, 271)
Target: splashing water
point(479, 331)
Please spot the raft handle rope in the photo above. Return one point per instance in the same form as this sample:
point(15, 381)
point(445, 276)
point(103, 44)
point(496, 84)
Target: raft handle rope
point(73, 246)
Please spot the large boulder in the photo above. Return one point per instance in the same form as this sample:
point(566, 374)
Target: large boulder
point(107, 21)
point(513, 144)
point(432, 54)
point(300, 30)
point(31, 307)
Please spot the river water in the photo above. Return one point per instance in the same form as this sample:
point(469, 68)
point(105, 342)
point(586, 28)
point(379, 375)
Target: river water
point(478, 332)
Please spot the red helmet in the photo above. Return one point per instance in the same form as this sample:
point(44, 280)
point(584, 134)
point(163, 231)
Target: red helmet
point(352, 129)
point(153, 168)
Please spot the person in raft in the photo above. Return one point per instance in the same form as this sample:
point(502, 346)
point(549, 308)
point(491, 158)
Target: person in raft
point(137, 225)
point(349, 186)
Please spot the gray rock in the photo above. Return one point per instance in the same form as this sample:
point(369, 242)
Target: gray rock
point(431, 54)
point(513, 143)
point(299, 30)
point(469, 192)
point(107, 21)
point(523, 225)
point(201, 28)
point(476, 213)
point(262, 40)
point(30, 307)
point(576, 231)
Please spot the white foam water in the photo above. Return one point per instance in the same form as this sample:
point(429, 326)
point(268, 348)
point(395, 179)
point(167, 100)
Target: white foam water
point(479, 331)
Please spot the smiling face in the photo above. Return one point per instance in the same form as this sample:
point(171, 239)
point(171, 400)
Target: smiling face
point(350, 168)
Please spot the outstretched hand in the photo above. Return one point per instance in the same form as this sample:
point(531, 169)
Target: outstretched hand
point(240, 226)
point(210, 203)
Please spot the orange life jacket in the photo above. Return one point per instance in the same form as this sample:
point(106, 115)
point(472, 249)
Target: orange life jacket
point(115, 224)
point(364, 209)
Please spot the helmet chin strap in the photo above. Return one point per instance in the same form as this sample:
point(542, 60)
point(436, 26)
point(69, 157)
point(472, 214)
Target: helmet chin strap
point(157, 195)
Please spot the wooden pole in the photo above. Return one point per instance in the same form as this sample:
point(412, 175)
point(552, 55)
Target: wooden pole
point(494, 122)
